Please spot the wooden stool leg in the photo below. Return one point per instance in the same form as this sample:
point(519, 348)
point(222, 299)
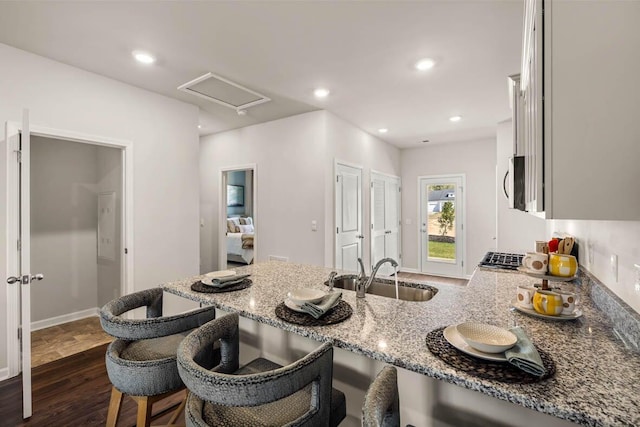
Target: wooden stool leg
point(114, 407)
point(178, 411)
point(144, 412)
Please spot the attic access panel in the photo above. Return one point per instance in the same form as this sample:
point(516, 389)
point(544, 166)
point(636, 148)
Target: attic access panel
point(224, 92)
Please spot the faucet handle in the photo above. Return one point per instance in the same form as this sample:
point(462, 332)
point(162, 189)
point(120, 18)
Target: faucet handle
point(332, 278)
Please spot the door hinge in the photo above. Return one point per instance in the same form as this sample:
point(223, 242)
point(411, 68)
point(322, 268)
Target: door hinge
point(399, 189)
point(20, 334)
point(19, 245)
point(19, 156)
point(372, 185)
point(337, 178)
point(461, 226)
point(337, 230)
point(126, 251)
point(462, 263)
point(400, 256)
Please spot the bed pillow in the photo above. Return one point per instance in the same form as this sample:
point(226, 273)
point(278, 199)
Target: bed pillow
point(246, 221)
point(246, 228)
point(232, 225)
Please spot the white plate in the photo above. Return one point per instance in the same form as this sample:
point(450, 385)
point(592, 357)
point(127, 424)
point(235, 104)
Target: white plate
point(454, 338)
point(221, 273)
point(293, 306)
point(302, 295)
point(487, 338)
point(539, 275)
point(560, 317)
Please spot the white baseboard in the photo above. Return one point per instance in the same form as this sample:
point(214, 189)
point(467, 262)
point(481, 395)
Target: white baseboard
point(58, 320)
point(4, 374)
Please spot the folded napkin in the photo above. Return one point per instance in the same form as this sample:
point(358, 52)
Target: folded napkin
point(223, 282)
point(524, 355)
point(320, 309)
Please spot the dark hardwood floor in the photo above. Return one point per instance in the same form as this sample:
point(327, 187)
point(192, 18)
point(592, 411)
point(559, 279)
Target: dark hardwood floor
point(73, 391)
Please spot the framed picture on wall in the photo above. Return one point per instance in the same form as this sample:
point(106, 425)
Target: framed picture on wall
point(235, 195)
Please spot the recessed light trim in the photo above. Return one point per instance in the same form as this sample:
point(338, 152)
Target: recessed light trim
point(143, 57)
point(199, 126)
point(383, 130)
point(455, 118)
point(425, 64)
point(321, 92)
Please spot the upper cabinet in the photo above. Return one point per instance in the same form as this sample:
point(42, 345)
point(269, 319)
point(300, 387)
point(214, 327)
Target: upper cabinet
point(579, 109)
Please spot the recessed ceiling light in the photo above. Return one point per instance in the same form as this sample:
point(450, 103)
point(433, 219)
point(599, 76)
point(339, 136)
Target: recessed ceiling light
point(321, 92)
point(425, 64)
point(455, 118)
point(242, 112)
point(144, 57)
point(199, 126)
point(383, 130)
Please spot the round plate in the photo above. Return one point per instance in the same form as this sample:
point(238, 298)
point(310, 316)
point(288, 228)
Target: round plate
point(302, 295)
point(545, 276)
point(487, 338)
point(454, 338)
point(221, 273)
point(561, 317)
point(293, 306)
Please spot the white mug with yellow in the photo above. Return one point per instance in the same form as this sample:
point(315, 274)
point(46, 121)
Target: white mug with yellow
point(562, 265)
point(547, 302)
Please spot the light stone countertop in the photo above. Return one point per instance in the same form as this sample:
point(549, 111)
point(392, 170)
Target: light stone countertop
point(597, 380)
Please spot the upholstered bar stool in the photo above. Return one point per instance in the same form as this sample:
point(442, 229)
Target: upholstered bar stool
point(141, 362)
point(382, 403)
point(261, 393)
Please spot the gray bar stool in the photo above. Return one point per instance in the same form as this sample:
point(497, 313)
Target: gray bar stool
point(261, 393)
point(382, 403)
point(141, 362)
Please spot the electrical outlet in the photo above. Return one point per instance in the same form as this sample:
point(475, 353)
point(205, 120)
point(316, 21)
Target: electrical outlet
point(614, 267)
point(637, 270)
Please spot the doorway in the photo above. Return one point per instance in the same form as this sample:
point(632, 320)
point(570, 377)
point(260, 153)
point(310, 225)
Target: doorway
point(385, 221)
point(442, 225)
point(348, 216)
point(18, 145)
point(238, 211)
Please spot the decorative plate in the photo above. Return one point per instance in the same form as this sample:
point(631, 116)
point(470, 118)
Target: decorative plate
point(561, 317)
point(454, 338)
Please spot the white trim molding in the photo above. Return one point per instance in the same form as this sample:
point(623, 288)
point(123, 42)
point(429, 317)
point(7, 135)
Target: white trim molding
point(65, 318)
point(4, 374)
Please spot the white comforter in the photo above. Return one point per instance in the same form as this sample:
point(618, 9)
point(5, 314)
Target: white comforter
point(235, 250)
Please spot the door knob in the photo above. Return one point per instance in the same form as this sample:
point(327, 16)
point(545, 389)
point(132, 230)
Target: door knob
point(359, 236)
point(11, 280)
point(39, 276)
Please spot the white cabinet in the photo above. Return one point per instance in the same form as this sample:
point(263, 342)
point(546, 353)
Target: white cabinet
point(580, 100)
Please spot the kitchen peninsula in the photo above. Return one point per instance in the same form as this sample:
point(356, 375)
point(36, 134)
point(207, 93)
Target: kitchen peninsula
point(596, 382)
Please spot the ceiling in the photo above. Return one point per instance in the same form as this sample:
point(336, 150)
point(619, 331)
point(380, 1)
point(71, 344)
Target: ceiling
point(364, 52)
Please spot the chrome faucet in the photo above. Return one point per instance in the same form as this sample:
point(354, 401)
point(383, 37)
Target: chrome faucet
point(332, 279)
point(363, 282)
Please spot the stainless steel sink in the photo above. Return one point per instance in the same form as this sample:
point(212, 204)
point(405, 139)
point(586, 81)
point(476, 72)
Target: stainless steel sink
point(386, 288)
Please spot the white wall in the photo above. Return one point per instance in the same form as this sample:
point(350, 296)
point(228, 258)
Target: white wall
point(164, 135)
point(64, 178)
point(295, 171)
point(477, 161)
point(517, 230)
point(289, 156)
point(605, 238)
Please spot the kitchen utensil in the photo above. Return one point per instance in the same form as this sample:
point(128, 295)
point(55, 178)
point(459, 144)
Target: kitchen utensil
point(562, 265)
point(486, 338)
point(454, 338)
point(547, 302)
point(301, 295)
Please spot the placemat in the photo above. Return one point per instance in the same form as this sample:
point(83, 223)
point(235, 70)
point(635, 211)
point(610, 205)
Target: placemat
point(201, 287)
point(499, 371)
point(337, 314)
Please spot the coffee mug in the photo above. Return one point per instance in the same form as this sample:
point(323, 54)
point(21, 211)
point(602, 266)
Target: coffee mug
point(524, 296)
point(569, 301)
point(547, 302)
point(562, 265)
point(536, 262)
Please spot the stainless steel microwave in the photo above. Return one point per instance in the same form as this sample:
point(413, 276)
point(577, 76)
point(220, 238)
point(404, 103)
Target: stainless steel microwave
point(513, 183)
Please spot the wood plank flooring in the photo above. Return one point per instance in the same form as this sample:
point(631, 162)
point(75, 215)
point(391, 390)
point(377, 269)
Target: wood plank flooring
point(73, 391)
point(60, 341)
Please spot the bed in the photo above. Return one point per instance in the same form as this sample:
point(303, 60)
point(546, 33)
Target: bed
point(240, 237)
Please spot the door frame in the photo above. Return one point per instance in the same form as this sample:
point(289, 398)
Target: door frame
point(337, 162)
point(388, 175)
point(222, 209)
point(463, 187)
point(126, 232)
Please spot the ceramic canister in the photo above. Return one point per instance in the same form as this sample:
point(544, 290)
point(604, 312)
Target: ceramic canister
point(562, 265)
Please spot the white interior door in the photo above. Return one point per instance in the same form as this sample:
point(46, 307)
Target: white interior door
point(442, 225)
point(385, 220)
point(18, 244)
point(348, 217)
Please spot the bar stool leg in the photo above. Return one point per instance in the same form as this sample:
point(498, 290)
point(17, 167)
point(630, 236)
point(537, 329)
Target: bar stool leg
point(114, 407)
